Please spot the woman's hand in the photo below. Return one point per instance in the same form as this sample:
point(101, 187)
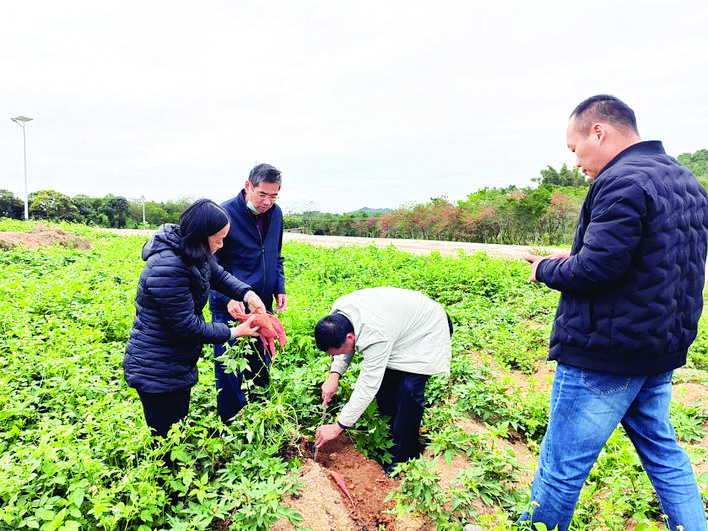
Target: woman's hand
point(247, 329)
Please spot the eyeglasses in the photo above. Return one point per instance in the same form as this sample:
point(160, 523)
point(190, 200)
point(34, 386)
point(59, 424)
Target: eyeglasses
point(263, 195)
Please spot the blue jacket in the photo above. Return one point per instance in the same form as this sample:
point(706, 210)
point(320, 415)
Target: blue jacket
point(169, 330)
point(255, 260)
point(631, 291)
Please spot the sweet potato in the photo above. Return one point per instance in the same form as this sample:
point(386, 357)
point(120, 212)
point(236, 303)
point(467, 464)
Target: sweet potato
point(270, 329)
point(339, 481)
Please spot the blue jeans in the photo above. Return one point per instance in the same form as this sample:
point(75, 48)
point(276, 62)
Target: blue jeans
point(586, 406)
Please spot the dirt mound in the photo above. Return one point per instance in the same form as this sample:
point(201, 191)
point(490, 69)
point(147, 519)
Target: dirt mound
point(324, 506)
point(42, 236)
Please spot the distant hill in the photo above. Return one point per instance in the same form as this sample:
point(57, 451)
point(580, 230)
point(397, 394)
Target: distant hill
point(371, 211)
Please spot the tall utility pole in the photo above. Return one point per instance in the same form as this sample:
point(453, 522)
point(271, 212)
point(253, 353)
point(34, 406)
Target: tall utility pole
point(22, 121)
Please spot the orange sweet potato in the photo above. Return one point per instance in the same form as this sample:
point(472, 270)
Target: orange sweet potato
point(270, 329)
point(340, 483)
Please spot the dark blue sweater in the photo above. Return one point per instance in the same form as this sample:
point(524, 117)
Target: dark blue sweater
point(169, 330)
point(631, 291)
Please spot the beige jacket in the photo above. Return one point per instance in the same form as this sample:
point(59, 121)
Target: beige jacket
point(394, 328)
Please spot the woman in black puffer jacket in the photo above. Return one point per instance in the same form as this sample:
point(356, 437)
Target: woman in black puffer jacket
point(169, 329)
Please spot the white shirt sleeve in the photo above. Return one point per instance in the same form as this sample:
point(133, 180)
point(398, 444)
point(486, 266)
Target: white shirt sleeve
point(340, 363)
point(373, 367)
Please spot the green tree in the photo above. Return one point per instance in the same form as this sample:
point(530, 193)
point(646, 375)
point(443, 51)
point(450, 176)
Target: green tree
point(155, 213)
point(175, 208)
point(696, 162)
point(558, 222)
point(564, 177)
point(11, 206)
point(116, 209)
point(89, 209)
point(52, 205)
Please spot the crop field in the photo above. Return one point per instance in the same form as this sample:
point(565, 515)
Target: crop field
point(75, 453)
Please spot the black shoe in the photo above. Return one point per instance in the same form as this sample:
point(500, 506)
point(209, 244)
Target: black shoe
point(389, 471)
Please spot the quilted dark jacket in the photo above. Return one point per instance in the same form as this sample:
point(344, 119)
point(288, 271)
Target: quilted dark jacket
point(255, 260)
point(169, 330)
point(631, 289)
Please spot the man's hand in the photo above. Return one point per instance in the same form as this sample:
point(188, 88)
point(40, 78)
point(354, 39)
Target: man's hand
point(281, 302)
point(329, 387)
point(561, 254)
point(326, 433)
point(255, 304)
point(534, 260)
point(235, 308)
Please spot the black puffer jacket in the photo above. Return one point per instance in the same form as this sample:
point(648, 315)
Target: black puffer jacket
point(631, 290)
point(169, 330)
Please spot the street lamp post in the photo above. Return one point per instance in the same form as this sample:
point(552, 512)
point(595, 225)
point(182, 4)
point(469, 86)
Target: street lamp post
point(22, 121)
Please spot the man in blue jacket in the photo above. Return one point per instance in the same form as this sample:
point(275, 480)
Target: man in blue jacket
point(631, 295)
point(251, 253)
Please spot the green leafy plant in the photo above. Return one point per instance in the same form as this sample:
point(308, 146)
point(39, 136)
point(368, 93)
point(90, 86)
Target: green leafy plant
point(75, 452)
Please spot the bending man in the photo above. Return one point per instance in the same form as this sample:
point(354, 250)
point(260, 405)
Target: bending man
point(404, 338)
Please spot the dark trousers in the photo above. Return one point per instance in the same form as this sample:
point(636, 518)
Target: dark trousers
point(402, 397)
point(162, 410)
point(230, 398)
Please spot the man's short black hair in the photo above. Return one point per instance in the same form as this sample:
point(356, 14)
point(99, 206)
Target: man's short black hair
point(604, 108)
point(332, 330)
point(264, 172)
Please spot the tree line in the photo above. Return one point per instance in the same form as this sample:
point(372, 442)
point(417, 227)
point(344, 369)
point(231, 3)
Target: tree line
point(544, 214)
point(108, 211)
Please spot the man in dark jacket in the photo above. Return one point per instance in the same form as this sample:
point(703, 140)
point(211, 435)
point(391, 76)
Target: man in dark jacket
point(631, 295)
point(252, 253)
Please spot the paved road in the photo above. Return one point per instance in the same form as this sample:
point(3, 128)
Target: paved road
point(415, 246)
point(421, 247)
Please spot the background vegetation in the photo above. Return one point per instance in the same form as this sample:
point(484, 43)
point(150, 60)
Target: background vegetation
point(545, 214)
point(541, 214)
point(109, 211)
point(75, 452)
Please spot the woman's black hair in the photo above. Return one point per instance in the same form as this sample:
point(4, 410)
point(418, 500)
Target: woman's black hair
point(201, 219)
point(332, 330)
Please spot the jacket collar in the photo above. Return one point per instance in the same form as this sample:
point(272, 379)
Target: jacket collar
point(650, 147)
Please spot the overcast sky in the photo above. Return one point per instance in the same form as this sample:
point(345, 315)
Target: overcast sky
point(359, 103)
